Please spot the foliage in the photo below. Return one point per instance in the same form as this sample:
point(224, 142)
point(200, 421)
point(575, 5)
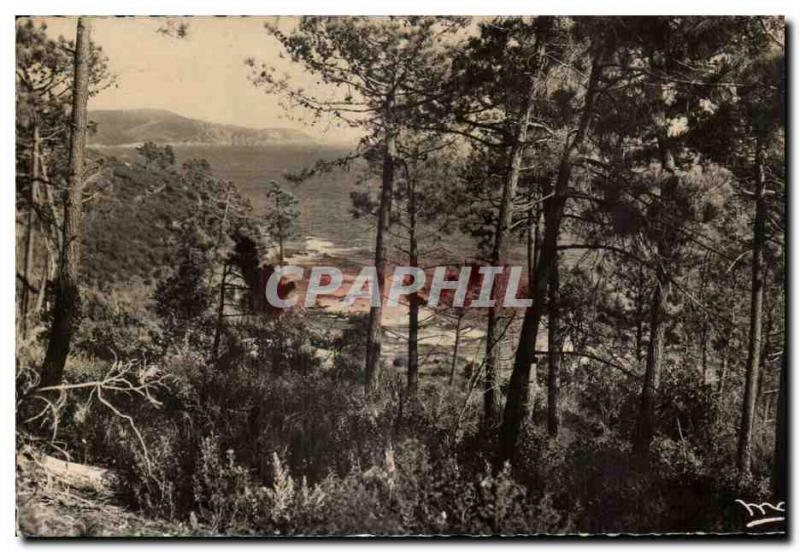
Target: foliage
point(161, 157)
point(281, 215)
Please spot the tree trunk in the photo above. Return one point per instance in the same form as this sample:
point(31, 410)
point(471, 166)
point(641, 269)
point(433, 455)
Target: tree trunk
point(517, 399)
point(532, 236)
point(529, 236)
point(704, 353)
point(729, 345)
point(43, 284)
point(373, 358)
point(779, 471)
point(27, 274)
point(491, 400)
point(723, 373)
point(554, 351)
point(756, 311)
point(762, 398)
point(705, 328)
point(413, 299)
point(640, 302)
point(220, 315)
point(454, 363)
point(413, 345)
point(645, 422)
point(536, 246)
point(67, 296)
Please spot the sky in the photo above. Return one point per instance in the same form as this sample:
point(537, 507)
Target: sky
point(202, 76)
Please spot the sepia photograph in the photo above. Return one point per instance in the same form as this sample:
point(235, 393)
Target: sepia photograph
point(400, 276)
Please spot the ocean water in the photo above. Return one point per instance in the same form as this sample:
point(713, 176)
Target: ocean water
point(324, 200)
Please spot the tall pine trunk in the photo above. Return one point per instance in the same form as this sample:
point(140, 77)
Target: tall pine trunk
point(373, 358)
point(762, 400)
point(641, 299)
point(525, 356)
point(532, 236)
point(665, 249)
point(413, 298)
point(730, 346)
point(491, 399)
point(779, 461)
point(756, 314)
point(645, 422)
point(67, 297)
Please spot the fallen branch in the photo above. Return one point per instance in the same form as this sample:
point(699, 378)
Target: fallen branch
point(122, 378)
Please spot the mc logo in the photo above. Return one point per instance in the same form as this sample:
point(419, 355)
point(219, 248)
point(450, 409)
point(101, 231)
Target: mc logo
point(764, 512)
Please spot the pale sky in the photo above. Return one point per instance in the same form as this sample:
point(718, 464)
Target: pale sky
point(202, 76)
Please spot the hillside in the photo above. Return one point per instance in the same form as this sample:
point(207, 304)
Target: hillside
point(133, 230)
point(134, 126)
point(121, 241)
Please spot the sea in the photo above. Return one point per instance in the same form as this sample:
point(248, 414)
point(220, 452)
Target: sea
point(324, 199)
